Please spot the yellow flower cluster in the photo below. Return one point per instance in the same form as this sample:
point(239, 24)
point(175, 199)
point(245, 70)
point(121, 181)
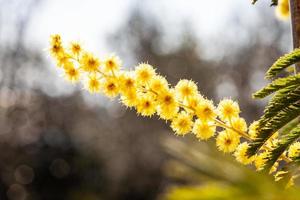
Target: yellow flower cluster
point(149, 93)
point(294, 150)
point(282, 9)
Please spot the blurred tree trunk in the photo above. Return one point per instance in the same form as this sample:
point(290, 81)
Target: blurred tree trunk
point(295, 22)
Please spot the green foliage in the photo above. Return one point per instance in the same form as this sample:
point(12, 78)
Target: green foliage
point(276, 85)
point(283, 98)
point(273, 2)
point(284, 143)
point(283, 62)
point(268, 128)
point(282, 112)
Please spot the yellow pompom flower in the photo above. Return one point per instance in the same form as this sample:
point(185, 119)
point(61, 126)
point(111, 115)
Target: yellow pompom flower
point(56, 47)
point(204, 129)
point(227, 141)
point(112, 63)
point(129, 99)
point(146, 105)
point(110, 87)
point(158, 84)
point(75, 48)
point(167, 112)
point(241, 154)
point(282, 10)
point(167, 105)
point(294, 150)
point(56, 50)
point(228, 109)
point(63, 60)
point(55, 39)
point(182, 123)
point(260, 160)
point(92, 83)
point(144, 73)
point(206, 110)
point(253, 129)
point(239, 124)
point(193, 101)
point(89, 63)
point(167, 98)
point(127, 82)
point(72, 74)
point(185, 89)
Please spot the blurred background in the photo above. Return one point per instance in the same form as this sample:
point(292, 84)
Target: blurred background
point(59, 142)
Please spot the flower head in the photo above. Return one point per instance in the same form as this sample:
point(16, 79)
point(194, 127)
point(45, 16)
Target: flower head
point(127, 82)
point(241, 154)
point(146, 106)
point(228, 109)
point(112, 63)
point(167, 105)
point(72, 74)
point(129, 98)
point(89, 63)
point(227, 141)
point(63, 60)
point(144, 73)
point(92, 83)
point(193, 102)
point(110, 87)
point(206, 110)
point(158, 84)
point(260, 160)
point(185, 89)
point(253, 129)
point(75, 48)
point(204, 129)
point(55, 39)
point(167, 98)
point(57, 50)
point(294, 150)
point(239, 124)
point(282, 9)
point(182, 123)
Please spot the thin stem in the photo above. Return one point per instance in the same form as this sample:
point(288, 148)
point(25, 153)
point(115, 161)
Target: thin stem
point(243, 134)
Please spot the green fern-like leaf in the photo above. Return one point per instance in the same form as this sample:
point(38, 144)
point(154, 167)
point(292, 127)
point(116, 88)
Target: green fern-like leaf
point(281, 114)
point(273, 2)
point(289, 127)
point(283, 117)
point(276, 85)
point(279, 101)
point(284, 143)
point(283, 62)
